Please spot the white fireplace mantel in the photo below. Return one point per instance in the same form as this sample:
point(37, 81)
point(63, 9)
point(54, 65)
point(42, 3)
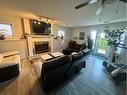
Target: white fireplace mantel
point(32, 39)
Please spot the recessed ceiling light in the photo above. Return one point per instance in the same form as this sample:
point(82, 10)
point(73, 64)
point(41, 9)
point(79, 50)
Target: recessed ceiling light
point(39, 23)
point(35, 22)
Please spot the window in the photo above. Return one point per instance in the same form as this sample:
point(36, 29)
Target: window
point(6, 29)
point(61, 34)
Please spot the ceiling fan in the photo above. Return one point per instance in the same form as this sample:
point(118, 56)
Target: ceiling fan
point(103, 3)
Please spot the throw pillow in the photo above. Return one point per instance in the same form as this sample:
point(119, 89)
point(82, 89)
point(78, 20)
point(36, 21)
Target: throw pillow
point(10, 53)
point(73, 53)
point(115, 72)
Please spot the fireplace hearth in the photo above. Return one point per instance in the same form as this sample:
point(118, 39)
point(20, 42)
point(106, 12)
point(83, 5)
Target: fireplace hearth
point(41, 47)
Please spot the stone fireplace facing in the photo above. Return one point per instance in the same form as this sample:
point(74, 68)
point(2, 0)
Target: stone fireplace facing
point(41, 47)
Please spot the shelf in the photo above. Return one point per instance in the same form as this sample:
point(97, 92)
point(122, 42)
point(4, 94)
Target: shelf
point(39, 36)
point(8, 40)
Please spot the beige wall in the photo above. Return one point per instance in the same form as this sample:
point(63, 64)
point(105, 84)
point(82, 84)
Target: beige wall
point(16, 25)
point(18, 45)
point(14, 43)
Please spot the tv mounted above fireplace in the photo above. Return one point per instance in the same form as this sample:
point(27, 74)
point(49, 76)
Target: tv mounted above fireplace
point(40, 27)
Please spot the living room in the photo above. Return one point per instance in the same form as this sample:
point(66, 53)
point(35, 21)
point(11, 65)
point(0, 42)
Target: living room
point(68, 31)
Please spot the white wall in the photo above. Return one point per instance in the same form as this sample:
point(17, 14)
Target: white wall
point(60, 44)
point(100, 28)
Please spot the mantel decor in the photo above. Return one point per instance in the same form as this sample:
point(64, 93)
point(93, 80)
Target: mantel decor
point(2, 34)
point(81, 35)
point(2, 37)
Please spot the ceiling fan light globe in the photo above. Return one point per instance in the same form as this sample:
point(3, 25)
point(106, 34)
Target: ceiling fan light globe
point(92, 1)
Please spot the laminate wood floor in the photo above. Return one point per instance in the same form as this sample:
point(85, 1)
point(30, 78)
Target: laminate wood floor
point(93, 80)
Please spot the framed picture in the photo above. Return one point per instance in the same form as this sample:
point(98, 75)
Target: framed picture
point(81, 35)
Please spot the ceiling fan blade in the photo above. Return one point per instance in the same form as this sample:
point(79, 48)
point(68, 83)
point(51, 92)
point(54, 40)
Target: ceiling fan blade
point(86, 3)
point(124, 1)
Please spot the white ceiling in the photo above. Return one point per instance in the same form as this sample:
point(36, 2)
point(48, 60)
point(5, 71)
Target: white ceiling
point(64, 12)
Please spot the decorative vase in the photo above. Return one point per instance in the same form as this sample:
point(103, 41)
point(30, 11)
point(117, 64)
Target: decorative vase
point(111, 54)
point(2, 37)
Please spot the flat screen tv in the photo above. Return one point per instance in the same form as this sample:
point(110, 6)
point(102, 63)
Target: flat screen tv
point(40, 28)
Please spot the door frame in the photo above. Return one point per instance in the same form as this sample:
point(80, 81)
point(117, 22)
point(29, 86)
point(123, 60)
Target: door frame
point(97, 45)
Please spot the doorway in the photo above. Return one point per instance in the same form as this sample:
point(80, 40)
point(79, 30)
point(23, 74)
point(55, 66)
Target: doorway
point(102, 44)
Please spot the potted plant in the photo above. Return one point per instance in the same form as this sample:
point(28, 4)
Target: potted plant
point(113, 38)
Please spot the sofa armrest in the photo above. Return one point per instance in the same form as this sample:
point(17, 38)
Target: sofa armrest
point(11, 57)
point(8, 71)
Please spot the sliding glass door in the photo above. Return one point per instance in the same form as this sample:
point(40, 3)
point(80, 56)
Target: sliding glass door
point(101, 43)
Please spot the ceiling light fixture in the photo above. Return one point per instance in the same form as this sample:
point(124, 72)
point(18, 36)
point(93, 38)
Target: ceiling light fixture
point(35, 22)
point(45, 19)
point(39, 22)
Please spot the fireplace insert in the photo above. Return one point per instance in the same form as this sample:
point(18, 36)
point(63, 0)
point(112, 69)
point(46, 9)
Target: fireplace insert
point(41, 47)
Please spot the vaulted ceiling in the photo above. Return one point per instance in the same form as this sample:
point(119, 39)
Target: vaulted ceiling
point(64, 12)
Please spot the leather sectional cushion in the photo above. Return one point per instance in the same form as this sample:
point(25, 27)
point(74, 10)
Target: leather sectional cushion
point(75, 67)
point(51, 64)
point(77, 56)
point(54, 77)
point(8, 71)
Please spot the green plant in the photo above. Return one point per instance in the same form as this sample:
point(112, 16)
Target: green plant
point(113, 37)
point(102, 43)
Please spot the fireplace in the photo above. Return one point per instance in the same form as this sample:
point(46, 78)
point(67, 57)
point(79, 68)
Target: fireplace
point(41, 47)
